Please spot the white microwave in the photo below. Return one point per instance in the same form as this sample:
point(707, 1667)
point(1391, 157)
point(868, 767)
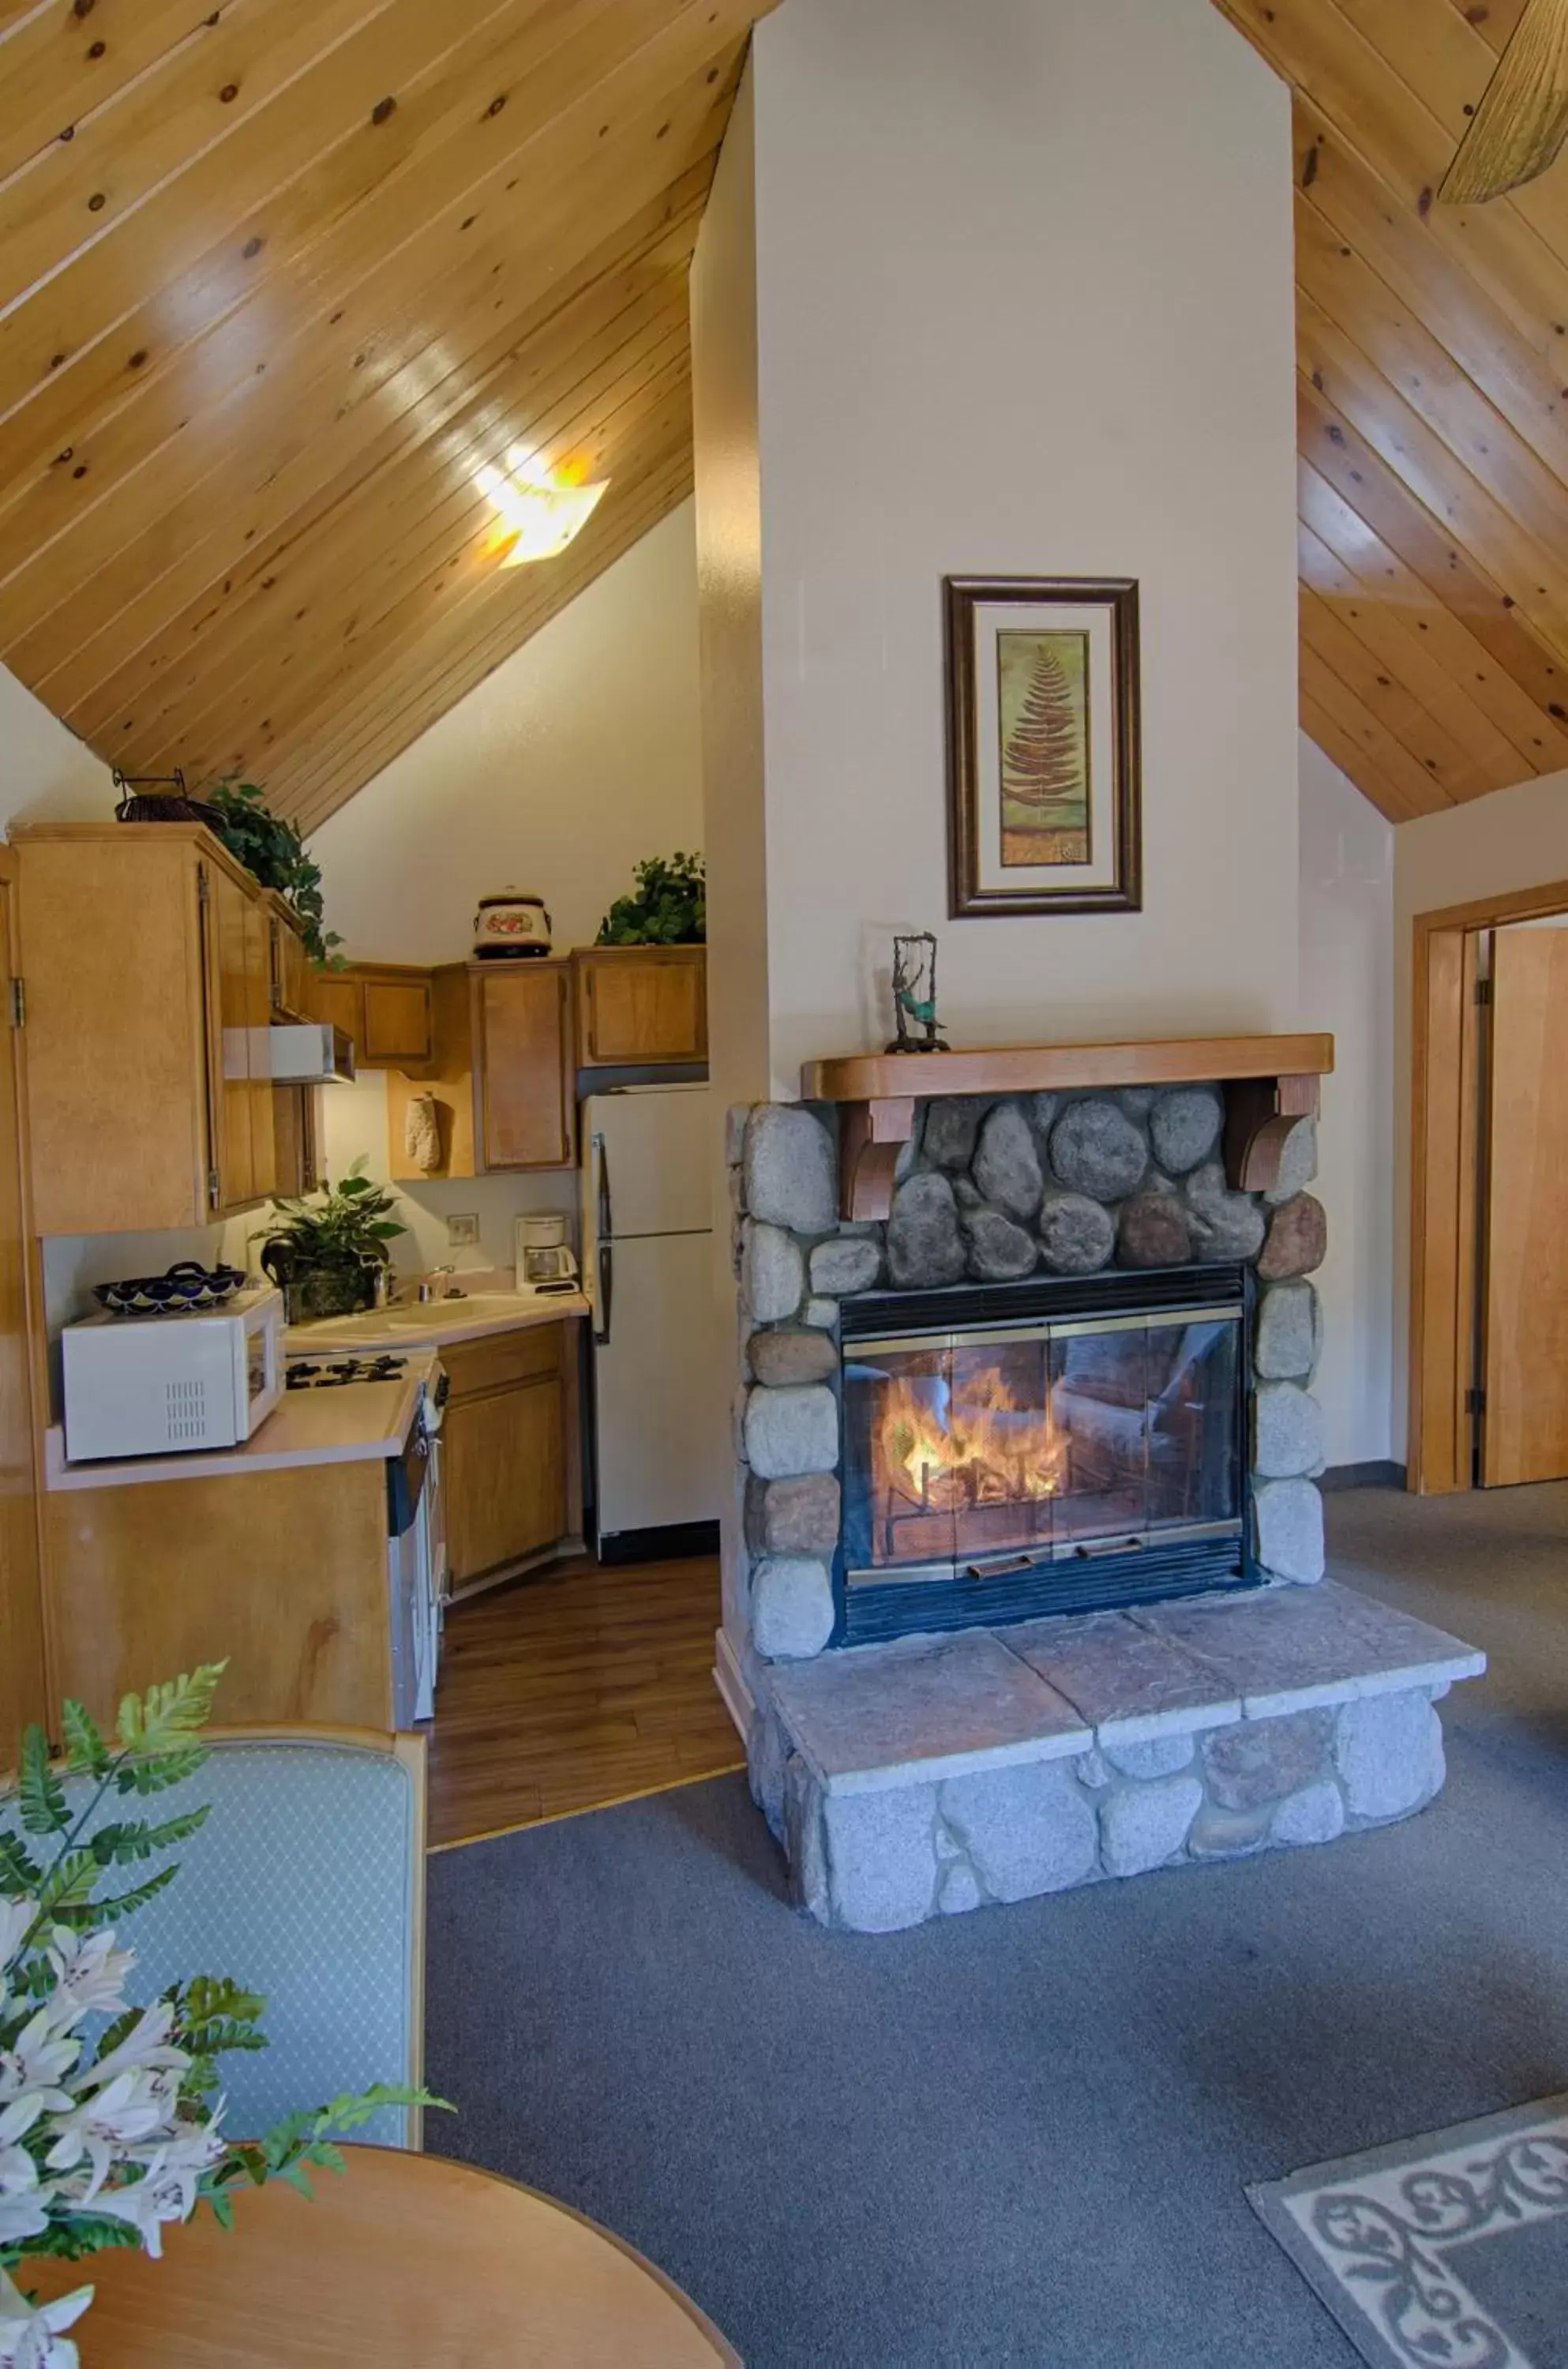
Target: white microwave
point(154, 1385)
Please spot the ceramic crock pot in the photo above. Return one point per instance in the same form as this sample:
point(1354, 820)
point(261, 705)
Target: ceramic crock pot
point(510, 925)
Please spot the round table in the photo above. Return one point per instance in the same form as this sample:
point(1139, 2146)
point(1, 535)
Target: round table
point(404, 2262)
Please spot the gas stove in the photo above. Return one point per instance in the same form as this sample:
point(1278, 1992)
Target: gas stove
point(329, 1373)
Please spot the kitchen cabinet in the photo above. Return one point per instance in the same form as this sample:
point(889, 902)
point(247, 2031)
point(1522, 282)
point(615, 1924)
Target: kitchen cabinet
point(641, 1004)
point(384, 1007)
point(505, 1444)
point(146, 957)
point(500, 1076)
point(291, 966)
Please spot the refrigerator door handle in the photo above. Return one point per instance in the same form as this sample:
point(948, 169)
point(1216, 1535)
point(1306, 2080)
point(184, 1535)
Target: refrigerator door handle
point(601, 1175)
point(606, 1288)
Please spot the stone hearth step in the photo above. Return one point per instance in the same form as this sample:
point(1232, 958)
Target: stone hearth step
point(933, 1774)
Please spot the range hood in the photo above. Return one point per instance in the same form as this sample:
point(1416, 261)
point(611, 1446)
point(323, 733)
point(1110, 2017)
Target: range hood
point(310, 1053)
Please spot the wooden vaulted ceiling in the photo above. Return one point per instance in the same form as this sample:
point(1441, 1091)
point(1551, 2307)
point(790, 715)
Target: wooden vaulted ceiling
point(276, 277)
point(1432, 360)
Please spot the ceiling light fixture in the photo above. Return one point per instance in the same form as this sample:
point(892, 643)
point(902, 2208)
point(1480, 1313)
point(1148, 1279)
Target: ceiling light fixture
point(540, 511)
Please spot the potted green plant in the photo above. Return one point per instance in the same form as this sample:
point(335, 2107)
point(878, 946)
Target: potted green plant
point(326, 1251)
point(274, 853)
point(669, 907)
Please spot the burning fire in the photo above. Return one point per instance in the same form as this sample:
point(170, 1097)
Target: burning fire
point(948, 1451)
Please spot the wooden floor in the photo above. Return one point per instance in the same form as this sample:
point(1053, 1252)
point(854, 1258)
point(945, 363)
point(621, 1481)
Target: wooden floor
point(573, 1688)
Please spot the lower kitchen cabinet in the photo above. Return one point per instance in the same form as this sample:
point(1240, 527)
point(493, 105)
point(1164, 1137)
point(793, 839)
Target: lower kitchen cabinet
point(504, 1441)
point(281, 1574)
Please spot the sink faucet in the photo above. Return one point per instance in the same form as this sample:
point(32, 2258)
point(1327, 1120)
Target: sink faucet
point(433, 1287)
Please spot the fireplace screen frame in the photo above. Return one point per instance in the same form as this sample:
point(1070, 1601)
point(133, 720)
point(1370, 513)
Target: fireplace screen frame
point(877, 1601)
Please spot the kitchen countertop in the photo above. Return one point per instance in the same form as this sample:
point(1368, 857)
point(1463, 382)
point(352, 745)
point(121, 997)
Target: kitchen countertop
point(437, 1323)
point(347, 1426)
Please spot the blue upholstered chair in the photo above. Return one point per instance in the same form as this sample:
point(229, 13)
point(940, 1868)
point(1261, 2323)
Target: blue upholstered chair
point(307, 1885)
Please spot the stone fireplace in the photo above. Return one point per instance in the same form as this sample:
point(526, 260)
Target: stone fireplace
point(1028, 1458)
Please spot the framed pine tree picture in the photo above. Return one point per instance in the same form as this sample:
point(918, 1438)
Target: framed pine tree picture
point(1043, 763)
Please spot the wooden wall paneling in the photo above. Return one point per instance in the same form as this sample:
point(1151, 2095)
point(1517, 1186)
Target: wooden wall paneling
point(302, 475)
point(1396, 645)
point(399, 616)
point(55, 66)
point(121, 150)
point(427, 509)
point(1539, 742)
point(1412, 785)
point(125, 657)
point(1347, 752)
point(1449, 771)
point(391, 709)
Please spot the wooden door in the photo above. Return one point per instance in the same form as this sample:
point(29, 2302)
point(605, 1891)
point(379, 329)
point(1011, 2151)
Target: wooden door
point(642, 1004)
point(229, 907)
point(525, 1073)
point(504, 1479)
point(259, 960)
point(1524, 1331)
point(336, 996)
point(22, 1694)
point(398, 1019)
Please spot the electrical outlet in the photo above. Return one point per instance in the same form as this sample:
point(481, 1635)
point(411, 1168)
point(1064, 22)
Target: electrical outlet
point(462, 1232)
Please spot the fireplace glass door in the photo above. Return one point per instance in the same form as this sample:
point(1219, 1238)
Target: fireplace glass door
point(969, 1454)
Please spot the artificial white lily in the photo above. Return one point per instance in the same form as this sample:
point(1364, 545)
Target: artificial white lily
point(38, 2058)
point(89, 1976)
point(16, 1920)
point(32, 2335)
point(145, 2048)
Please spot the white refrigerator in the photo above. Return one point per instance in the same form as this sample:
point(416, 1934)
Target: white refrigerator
point(657, 1395)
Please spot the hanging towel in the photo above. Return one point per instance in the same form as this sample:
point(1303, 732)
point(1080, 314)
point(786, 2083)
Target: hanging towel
point(422, 1134)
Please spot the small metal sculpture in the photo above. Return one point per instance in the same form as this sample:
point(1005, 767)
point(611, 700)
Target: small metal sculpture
point(915, 994)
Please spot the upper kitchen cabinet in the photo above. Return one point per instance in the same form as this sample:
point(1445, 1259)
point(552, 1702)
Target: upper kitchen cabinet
point(384, 1007)
point(498, 1096)
point(148, 964)
point(640, 1004)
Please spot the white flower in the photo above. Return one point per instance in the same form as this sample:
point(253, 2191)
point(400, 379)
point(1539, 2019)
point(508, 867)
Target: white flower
point(24, 2215)
point(30, 2337)
point(89, 1976)
point(137, 2105)
point(167, 2192)
point(16, 1921)
point(36, 2059)
point(146, 2046)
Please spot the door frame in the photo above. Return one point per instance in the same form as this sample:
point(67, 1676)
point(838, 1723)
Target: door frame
point(32, 1283)
point(1445, 1156)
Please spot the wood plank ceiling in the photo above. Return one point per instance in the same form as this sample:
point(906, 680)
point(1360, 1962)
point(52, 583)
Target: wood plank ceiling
point(276, 278)
point(1432, 357)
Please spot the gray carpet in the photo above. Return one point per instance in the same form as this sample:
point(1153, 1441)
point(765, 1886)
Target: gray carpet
point(1022, 2137)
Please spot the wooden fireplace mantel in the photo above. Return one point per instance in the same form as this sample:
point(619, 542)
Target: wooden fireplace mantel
point(1270, 1082)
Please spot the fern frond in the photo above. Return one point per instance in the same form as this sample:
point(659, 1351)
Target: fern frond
point(86, 1754)
point(168, 1715)
point(138, 1838)
point(40, 1796)
point(144, 1777)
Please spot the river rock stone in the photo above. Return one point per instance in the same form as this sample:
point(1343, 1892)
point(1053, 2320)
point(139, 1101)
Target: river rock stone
point(1147, 1825)
point(968, 1194)
point(1161, 1756)
point(849, 1263)
point(999, 1251)
point(823, 1313)
point(1137, 1101)
point(805, 1843)
point(1289, 1336)
point(926, 1249)
point(1228, 1834)
point(1040, 1109)
point(1225, 1225)
point(1289, 1519)
point(1152, 1230)
point(790, 1170)
point(881, 1858)
point(1183, 1127)
point(1260, 1760)
point(799, 1516)
point(782, 1358)
point(960, 1890)
point(1287, 1431)
point(767, 1757)
point(772, 1272)
point(1076, 1235)
point(1027, 1830)
point(951, 1123)
point(1313, 1815)
point(1390, 1751)
point(791, 1607)
point(1007, 1166)
point(791, 1430)
point(1298, 1238)
point(1297, 1163)
point(1096, 1149)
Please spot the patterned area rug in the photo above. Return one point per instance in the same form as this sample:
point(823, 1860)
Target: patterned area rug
point(1449, 2248)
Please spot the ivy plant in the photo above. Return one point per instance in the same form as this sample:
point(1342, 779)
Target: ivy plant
point(667, 908)
point(273, 850)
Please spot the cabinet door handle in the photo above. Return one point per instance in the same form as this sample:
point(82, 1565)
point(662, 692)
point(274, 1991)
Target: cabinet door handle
point(606, 1288)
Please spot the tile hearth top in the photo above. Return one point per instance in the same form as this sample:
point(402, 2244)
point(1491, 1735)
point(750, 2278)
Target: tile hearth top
point(874, 1717)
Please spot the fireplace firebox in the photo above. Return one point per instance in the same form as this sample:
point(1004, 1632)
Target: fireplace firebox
point(1059, 1445)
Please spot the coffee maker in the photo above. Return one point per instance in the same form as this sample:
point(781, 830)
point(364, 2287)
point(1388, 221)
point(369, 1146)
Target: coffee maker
point(546, 1263)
